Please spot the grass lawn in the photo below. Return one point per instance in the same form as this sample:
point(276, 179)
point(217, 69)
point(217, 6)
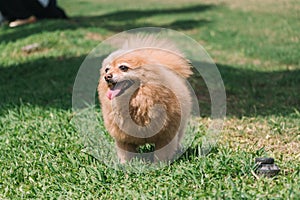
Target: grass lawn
point(256, 46)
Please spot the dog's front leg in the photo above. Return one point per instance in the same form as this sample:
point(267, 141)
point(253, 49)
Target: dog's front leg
point(165, 150)
point(126, 151)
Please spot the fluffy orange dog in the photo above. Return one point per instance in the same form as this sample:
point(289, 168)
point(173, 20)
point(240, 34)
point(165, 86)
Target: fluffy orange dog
point(144, 97)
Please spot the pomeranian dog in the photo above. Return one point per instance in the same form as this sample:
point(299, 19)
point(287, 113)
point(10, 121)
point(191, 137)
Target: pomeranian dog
point(144, 97)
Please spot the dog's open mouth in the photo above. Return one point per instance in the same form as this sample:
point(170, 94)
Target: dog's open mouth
point(118, 88)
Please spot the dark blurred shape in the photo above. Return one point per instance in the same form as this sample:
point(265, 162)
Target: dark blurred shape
point(266, 167)
point(28, 11)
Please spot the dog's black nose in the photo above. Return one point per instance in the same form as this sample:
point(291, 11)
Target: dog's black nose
point(108, 78)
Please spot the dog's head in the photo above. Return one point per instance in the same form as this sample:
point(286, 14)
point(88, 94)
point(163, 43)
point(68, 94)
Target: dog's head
point(121, 70)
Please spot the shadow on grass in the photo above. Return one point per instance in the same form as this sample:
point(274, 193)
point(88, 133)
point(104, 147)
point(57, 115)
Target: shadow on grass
point(252, 93)
point(115, 21)
point(48, 82)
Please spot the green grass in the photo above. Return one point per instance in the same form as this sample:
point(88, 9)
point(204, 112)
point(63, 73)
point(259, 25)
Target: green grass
point(257, 50)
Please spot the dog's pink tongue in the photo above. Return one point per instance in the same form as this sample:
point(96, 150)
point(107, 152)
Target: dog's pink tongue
point(112, 93)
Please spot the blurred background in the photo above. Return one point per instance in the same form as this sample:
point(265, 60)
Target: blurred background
point(255, 45)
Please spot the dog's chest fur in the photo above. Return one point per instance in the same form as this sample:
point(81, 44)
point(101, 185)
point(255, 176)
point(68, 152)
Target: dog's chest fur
point(141, 110)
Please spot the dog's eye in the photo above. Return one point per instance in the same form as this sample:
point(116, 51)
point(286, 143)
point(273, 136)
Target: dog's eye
point(106, 70)
point(123, 68)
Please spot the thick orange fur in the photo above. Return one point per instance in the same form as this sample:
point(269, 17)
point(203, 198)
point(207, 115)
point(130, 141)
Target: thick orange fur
point(159, 77)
